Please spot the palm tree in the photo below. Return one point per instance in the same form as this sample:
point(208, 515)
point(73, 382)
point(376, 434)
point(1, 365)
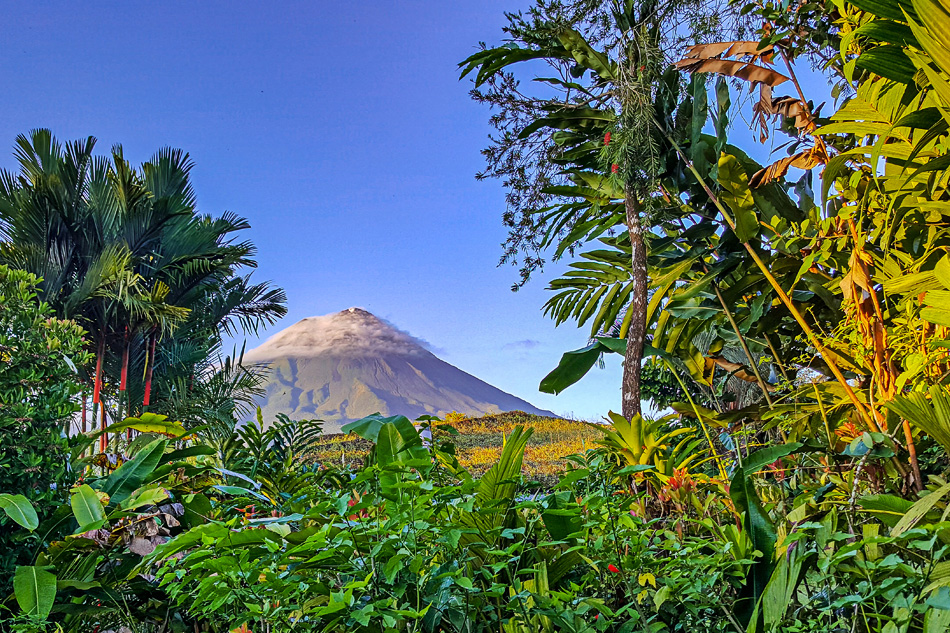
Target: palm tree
point(125, 252)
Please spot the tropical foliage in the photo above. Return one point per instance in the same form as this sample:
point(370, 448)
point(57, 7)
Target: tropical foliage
point(39, 360)
point(792, 315)
point(125, 253)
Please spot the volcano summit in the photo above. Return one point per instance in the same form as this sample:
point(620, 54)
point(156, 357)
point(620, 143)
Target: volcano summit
point(344, 366)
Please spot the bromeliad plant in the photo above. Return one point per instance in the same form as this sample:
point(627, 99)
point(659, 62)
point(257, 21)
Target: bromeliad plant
point(653, 447)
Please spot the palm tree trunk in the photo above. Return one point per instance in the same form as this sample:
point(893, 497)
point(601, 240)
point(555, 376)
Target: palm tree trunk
point(103, 439)
point(123, 380)
point(97, 405)
point(97, 385)
point(125, 361)
point(636, 333)
point(150, 361)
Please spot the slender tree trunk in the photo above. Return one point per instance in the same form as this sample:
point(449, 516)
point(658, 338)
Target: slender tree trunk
point(97, 405)
point(123, 383)
point(636, 334)
point(150, 361)
point(123, 377)
point(103, 439)
point(97, 386)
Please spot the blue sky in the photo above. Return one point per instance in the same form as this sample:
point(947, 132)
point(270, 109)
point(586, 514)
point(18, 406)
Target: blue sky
point(340, 130)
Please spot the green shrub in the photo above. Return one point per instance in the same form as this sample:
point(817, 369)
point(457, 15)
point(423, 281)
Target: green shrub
point(38, 384)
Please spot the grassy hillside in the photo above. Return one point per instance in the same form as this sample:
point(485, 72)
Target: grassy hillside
point(479, 442)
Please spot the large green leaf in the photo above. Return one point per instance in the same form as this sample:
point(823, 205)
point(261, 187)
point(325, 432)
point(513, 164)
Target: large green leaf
point(369, 428)
point(561, 516)
point(757, 525)
point(890, 9)
point(919, 510)
point(888, 61)
point(585, 55)
point(779, 593)
point(888, 508)
point(496, 490)
point(20, 510)
point(738, 197)
point(392, 447)
point(87, 508)
point(574, 365)
point(134, 472)
point(147, 423)
point(35, 590)
point(930, 415)
point(489, 62)
point(762, 457)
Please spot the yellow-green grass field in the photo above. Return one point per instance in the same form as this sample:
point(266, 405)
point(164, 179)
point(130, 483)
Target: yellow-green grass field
point(479, 443)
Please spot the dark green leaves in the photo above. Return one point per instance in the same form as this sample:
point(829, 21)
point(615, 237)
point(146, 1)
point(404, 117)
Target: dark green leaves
point(737, 195)
point(756, 521)
point(134, 472)
point(575, 365)
point(932, 415)
point(491, 61)
point(19, 508)
point(890, 9)
point(888, 61)
point(87, 508)
point(585, 55)
point(35, 590)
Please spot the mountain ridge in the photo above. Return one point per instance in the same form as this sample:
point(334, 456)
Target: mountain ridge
point(347, 365)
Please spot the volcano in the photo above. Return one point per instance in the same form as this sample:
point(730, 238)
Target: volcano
point(344, 366)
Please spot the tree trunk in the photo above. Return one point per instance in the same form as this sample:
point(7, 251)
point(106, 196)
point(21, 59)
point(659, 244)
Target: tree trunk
point(150, 361)
point(638, 308)
point(97, 385)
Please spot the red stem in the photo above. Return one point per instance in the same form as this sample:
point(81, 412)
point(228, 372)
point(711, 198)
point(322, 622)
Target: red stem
point(148, 372)
point(103, 440)
point(97, 387)
point(125, 361)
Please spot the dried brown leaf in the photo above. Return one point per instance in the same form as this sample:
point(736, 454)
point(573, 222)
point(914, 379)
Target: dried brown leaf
point(730, 49)
point(738, 370)
point(741, 70)
point(802, 160)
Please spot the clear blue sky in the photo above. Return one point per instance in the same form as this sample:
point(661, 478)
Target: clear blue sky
point(340, 130)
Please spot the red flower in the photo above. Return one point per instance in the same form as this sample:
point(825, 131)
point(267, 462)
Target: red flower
point(642, 68)
point(613, 568)
point(614, 168)
point(607, 138)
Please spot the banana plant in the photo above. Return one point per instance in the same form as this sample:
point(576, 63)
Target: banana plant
point(110, 523)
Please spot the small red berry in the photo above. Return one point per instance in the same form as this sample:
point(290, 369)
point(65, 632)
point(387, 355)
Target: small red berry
point(613, 568)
